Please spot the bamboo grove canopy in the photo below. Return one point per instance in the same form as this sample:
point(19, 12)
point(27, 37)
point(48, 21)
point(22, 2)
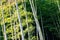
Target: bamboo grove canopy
point(29, 19)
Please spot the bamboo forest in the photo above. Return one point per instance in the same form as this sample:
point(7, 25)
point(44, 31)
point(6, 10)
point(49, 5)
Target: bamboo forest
point(29, 19)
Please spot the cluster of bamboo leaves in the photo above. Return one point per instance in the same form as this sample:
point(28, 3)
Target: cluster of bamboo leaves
point(11, 21)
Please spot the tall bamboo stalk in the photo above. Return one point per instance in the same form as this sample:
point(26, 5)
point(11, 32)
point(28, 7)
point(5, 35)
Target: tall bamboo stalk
point(10, 18)
point(5, 36)
point(24, 5)
point(36, 20)
point(20, 22)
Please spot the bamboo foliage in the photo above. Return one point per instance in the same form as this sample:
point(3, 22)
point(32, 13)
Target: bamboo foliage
point(24, 19)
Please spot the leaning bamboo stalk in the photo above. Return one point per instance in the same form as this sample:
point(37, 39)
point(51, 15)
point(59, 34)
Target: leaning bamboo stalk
point(42, 22)
point(36, 20)
point(26, 15)
point(19, 18)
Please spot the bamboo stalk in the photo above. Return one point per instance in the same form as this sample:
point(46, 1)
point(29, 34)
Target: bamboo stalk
point(24, 5)
point(10, 19)
point(36, 20)
point(20, 22)
point(4, 26)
